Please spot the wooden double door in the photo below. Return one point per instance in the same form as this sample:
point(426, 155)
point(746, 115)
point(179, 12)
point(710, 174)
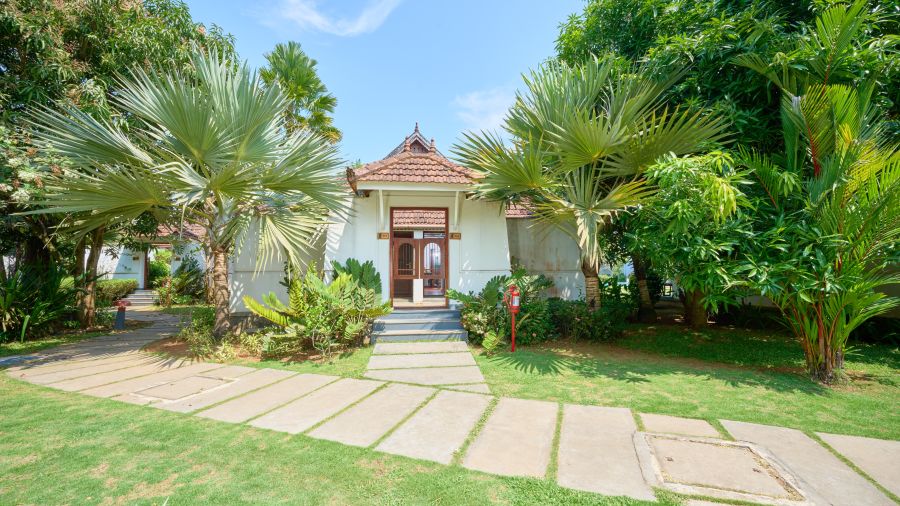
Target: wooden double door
point(422, 258)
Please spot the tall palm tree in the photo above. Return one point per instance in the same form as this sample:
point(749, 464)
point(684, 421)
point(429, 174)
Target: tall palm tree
point(829, 213)
point(581, 137)
point(211, 151)
point(311, 104)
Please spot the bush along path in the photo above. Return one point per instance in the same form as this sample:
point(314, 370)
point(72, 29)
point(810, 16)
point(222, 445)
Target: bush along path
point(607, 450)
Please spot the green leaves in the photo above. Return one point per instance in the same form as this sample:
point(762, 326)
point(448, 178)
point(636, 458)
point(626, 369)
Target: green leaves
point(582, 138)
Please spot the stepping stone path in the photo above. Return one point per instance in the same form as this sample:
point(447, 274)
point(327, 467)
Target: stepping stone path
point(596, 449)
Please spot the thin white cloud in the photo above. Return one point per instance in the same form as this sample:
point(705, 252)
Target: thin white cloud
point(307, 15)
point(484, 109)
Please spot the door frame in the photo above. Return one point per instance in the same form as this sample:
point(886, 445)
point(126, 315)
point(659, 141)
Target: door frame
point(445, 250)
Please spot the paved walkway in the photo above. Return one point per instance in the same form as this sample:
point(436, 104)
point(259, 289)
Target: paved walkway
point(607, 450)
point(446, 364)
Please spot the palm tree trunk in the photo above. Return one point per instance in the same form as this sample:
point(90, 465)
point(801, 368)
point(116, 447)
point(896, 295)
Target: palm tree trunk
point(87, 309)
point(646, 311)
point(591, 285)
point(220, 292)
point(78, 272)
point(694, 311)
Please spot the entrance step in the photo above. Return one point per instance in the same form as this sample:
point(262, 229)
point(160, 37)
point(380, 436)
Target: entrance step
point(142, 298)
point(399, 336)
point(421, 314)
point(418, 324)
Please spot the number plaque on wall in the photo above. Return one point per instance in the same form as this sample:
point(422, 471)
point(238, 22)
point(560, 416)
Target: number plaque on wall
point(456, 235)
point(384, 235)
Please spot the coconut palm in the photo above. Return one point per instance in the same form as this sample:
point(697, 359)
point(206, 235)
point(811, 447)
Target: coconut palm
point(311, 104)
point(211, 151)
point(829, 213)
point(581, 137)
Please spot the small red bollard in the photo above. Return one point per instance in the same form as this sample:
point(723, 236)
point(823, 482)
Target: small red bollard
point(120, 314)
point(511, 298)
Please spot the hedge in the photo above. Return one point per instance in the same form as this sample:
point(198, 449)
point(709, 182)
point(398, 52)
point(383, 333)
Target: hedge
point(111, 290)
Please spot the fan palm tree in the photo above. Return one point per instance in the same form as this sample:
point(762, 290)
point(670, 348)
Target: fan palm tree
point(829, 212)
point(581, 137)
point(311, 104)
point(211, 151)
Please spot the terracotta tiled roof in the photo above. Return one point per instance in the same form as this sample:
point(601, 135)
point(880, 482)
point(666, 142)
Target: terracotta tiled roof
point(419, 218)
point(517, 211)
point(414, 161)
point(189, 231)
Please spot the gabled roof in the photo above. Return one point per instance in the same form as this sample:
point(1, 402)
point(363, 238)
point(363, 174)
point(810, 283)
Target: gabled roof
point(415, 160)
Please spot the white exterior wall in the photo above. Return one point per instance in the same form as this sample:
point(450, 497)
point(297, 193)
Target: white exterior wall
point(546, 250)
point(472, 260)
point(119, 263)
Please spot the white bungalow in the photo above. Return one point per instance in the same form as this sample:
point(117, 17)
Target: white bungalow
point(413, 215)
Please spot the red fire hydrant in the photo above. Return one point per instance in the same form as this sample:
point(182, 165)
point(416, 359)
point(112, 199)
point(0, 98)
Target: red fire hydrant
point(511, 298)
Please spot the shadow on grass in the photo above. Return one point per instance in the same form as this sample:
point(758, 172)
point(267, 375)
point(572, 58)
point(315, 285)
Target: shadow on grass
point(641, 367)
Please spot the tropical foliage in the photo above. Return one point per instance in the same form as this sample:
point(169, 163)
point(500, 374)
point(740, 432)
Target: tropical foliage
point(31, 304)
point(828, 217)
point(311, 104)
point(212, 151)
point(320, 315)
point(582, 136)
point(365, 274)
point(693, 228)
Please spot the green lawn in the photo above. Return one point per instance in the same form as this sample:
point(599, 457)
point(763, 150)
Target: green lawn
point(351, 364)
point(64, 448)
point(718, 374)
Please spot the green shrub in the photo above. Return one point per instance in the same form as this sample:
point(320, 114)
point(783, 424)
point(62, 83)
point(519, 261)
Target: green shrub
point(159, 269)
point(33, 302)
point(318, 315)
point(492, 341)
point(189, 280)
point(197, 334)
point(108, 291)
point(574, 319)
point(484, 312)
point(365, 274)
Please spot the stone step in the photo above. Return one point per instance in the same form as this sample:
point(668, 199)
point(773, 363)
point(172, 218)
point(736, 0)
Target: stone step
point(422, 314)
point(418, 324)
point(398, 336)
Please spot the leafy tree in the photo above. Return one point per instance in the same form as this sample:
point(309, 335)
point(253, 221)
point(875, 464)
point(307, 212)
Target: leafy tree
point(706, 35)
point(70, 53)
point(295, 72)
point(829, 211)
point(212, 151)
point(694, 227)
point(581, 138)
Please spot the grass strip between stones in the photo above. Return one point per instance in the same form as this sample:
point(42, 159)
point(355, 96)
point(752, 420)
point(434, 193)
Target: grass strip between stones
point(199, 410)
point(345, 408)
point(721, 428)
point(283, 404)
point(815, 437)
point(405, 419)
point(553, 464)
point(476, 430)
point(638, 421)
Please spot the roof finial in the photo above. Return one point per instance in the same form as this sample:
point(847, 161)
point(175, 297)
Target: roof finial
point(432, 148)
point(417, 128)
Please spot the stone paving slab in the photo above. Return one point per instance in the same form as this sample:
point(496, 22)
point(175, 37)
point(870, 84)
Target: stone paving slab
point(830, 478)
point(141, 369)
point(439, 429)
point(268, 398)
point(878, 458)
point(139, 383)
point(76, 366)
point(305, 412)
point(374, 416)
point(478, 388)
point(430, 375)
point(516, 440)
point(420, 360)
point(676, 425)
point(736, 468)
point(426, 347)
point(184, 387)
point(596, 452)
point(242, 385)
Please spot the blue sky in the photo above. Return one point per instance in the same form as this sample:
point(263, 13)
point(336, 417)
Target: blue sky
point(450, 65)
